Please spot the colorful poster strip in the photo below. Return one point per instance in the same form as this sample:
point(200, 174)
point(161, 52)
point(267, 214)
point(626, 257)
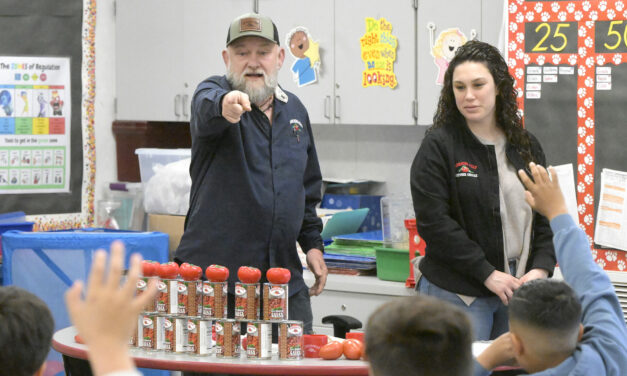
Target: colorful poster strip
point(378, 51)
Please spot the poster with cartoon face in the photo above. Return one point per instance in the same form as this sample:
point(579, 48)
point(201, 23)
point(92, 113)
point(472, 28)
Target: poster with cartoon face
point(444, 48)
point(306, 52)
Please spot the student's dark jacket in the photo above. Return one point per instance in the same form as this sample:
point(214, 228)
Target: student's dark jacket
point(455, 191)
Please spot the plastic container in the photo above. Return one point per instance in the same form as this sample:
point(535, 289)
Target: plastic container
point(165, 180)
point(394, 211)
point(392, 264)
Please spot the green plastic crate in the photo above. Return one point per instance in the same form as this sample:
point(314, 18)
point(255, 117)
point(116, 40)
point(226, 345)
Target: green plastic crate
point(392, 264)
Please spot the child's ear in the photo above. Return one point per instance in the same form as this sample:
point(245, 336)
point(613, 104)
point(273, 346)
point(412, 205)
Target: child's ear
point(580, 335)
point(41, 370)
point(519, 346)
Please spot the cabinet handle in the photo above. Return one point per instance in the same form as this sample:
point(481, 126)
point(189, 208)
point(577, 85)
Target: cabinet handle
point(337, 110)
point(431, 27)
point(185, 107)
point(473, 34)
point(177, 101)
point(327, 102)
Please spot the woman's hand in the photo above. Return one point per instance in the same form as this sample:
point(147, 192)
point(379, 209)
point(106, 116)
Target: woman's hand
point(534, 274)
point(502, 284)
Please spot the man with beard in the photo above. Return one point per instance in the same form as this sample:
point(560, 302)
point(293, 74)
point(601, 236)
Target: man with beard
point(255, 174)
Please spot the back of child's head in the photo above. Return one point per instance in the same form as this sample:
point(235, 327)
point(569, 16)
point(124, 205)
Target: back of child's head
point(419, 335)
point(550, 309)
point(26, 328)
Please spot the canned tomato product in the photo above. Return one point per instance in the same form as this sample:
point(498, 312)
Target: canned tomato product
point(258, 339)
point(227, 338)
point(198, 336)
point(179, 338)
point(165, 333)
point(146, 338)
point(275, 302)
point(291, 340)
point(187, 298)
point(247, 301)
point(142, 284)
point(214, 302)
point(167, 294)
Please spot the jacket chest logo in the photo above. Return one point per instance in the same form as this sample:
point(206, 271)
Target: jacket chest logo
point(297, 128)
point(465, 169)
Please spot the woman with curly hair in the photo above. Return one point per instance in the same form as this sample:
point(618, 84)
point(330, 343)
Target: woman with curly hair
point(483, 240)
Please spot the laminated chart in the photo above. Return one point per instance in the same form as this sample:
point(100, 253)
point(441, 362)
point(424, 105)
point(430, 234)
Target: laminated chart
point(35, 113)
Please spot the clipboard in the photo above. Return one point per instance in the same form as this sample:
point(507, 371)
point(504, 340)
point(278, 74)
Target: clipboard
point(345, 222)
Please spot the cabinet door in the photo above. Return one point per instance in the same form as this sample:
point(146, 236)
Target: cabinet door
point(149, 53)
point(374, 104)
point(466, 17)
point(205, 26)
point(317, 17)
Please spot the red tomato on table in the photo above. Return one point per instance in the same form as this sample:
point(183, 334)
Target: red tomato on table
point(190, 272)
point(278, 276)
point(168, 270)
point(217, 273)
point(149, 268)
point(248, 274)
point(353, 349)
point(331, 350)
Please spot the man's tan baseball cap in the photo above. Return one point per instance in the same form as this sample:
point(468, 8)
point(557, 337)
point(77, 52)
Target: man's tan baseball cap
point(252, 24)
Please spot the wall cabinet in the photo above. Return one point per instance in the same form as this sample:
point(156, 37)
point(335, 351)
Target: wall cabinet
point(165, 48)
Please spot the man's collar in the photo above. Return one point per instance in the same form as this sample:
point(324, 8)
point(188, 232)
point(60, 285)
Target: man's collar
point(280, 94)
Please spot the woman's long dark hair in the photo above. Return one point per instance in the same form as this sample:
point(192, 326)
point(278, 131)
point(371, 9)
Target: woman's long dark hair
point(507, 116)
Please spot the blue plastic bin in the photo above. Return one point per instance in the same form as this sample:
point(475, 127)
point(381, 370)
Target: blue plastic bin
point(47, 263)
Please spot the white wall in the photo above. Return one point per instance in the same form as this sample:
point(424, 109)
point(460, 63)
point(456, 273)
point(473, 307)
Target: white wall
point(380, 153)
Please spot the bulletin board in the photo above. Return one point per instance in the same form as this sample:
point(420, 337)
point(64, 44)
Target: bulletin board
point(556, 50)
point(50, 34)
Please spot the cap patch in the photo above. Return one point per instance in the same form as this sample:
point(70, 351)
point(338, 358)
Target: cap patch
point(249, 24)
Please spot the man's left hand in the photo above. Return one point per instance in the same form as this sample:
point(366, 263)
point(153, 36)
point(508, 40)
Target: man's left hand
point(315, 262)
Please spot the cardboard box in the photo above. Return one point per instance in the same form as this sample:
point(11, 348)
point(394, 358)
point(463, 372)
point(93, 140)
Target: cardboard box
point(169, 224)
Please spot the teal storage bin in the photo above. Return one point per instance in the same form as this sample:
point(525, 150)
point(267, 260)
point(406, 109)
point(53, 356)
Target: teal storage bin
point(392, 264)
point(47, 263)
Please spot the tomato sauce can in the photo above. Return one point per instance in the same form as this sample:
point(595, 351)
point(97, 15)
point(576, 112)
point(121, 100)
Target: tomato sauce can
point(227, 338)
point(214, 302)
point(146, 336)
point(167, 294)
point(187, 298)
point(178, 342)
point(142, 284)
point(165, 332)
point(247, 301)
point(290, 340)
point(275, 302)
point(198, 336)
point(258, 339)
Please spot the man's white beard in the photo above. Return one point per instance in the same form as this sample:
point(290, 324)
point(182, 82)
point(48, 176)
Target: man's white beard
point(257, 95)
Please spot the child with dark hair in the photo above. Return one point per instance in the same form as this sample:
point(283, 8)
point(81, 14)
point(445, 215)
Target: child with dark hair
point(26, 327)
point(419, 335)
point(556, 329)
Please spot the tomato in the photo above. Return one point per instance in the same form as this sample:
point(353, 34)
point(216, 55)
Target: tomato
point(248, 274)
point(353, 349)
point(217, 273)
point(331, 350)
point(168, 270)
point(278, 276)
point(149, 268)
point(190, 272)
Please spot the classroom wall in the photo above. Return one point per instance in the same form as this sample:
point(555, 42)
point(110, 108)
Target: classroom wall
point(382, 153)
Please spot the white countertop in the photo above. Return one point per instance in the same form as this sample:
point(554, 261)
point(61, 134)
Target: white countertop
point(361, 284)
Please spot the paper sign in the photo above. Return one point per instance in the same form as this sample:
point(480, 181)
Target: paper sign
point(306, 52)
point(444, 48)
point(378, 51)
point(612, 210)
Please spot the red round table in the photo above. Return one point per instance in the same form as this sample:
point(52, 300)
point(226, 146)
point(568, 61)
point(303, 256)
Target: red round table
point(63, 342)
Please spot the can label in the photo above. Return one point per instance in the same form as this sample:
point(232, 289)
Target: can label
point(258, 340)
point(214, 303)
point(165, 333)
point(275, 302)
point(166, 295)
point(247, 301)
point(179, 343)
point(146, 335)
point(198, 336)
point(141, 285)
point(291, 340)
point(227, 338)
point(187, 301)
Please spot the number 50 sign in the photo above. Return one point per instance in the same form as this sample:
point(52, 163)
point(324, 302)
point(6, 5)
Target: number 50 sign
point(590, 35)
